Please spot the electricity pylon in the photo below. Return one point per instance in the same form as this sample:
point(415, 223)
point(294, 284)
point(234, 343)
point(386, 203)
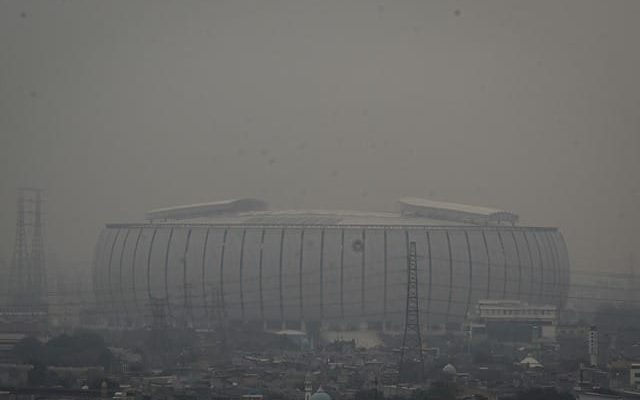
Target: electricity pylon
point(412, 360)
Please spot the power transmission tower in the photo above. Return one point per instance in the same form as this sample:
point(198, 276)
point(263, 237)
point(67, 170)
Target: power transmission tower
point(218, 323)
point(27, 275)
point(38, 278)
point(20, 261)
point(158, 314)
point(4, 283)
point(160, 343)
point(411, 360)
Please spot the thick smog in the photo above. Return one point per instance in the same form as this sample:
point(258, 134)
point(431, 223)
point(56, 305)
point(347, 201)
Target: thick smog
point(279, 199)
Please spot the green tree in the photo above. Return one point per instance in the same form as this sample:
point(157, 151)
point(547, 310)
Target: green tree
point(81, 349)
point(370, 394)
point(439, 390)
point(481, 355)
point(38, 375)
point(29, 350)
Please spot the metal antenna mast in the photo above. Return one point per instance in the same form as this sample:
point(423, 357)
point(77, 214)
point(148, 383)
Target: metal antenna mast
point(411, 360)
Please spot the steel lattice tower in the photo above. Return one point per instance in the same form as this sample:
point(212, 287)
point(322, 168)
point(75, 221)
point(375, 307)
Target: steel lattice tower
point(159, 337)
point(4, 286)
point(218, 320)
point(20, 263)
point(159, 320)
point(37, 282)
point(411, 360)
point(27, 274)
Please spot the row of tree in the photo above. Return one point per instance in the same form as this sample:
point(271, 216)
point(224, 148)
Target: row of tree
point(81, 349)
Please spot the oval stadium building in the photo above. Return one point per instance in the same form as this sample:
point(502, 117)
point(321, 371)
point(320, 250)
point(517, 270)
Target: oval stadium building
point(286, 269)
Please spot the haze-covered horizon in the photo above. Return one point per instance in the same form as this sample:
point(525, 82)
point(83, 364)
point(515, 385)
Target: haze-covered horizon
point(119, 107)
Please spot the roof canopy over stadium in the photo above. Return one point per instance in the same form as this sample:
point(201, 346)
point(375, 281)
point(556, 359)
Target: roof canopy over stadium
point(412, 211)
point(455, 212)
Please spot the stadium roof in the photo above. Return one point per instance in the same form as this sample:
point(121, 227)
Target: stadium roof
point(455, 212)
point(306, 217)
point(413, 211)
point(206, 209)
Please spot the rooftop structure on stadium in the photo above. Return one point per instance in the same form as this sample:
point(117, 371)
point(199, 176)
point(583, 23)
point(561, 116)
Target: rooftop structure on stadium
point(411, 211)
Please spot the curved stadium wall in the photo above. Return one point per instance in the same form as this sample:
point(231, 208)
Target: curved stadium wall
point(348, 275)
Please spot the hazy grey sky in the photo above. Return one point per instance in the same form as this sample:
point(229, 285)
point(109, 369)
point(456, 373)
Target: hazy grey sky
point(116, 107)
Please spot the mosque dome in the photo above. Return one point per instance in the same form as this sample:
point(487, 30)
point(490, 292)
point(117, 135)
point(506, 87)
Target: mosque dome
point(449, 369)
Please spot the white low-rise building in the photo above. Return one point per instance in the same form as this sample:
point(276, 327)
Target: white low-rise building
point(512, 320)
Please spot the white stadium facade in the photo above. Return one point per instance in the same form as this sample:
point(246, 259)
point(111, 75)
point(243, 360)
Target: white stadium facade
point(339, 269)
